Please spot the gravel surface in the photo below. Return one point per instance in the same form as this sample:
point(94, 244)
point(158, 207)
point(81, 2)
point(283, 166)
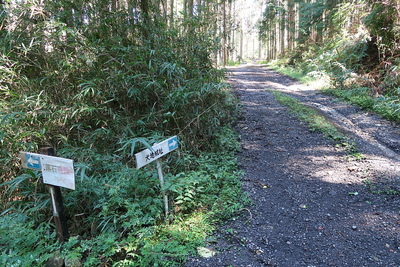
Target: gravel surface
point(312, 205)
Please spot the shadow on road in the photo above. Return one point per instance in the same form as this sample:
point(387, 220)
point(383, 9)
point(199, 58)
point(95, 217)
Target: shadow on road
point(312, 204)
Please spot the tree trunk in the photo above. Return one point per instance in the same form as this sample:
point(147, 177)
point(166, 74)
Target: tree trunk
point(145, 9)
point(291, 25)
point(282, 29)
point(224, 33)
point(190, 8)
point(171, 13)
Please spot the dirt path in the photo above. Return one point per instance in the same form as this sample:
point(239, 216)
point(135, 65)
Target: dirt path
point(311, 204)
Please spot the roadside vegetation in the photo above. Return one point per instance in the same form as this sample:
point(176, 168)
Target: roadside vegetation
point(101, 80)
point(99, 86)
point(349, 48)
point(317, 122)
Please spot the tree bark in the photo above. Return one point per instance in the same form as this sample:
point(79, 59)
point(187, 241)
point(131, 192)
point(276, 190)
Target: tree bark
point(190, 8)
point(171, 13)
point(145, 10)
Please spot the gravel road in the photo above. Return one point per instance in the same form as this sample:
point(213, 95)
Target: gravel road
point(312, 204)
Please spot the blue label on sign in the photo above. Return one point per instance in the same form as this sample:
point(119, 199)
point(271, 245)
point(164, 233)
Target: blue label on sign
point(173, 143)
point(33, 162)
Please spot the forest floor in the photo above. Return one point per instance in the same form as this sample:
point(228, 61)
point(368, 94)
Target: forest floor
point(312, 204)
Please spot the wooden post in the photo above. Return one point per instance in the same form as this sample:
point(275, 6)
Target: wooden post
point(57, 203)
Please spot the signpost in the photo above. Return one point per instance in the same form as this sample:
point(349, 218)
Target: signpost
point(31, 161)
point(158, 150)
point(154, 154)
point(56, 172)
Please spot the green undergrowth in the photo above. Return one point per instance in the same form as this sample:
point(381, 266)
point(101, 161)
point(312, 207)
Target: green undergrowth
point(387, 106)
point(381, 188)
point(316, 121)
point(339, 68)
point(289, 71)
point(116, 214)
point(98, 95)
point(233, 63)
point(314, 78)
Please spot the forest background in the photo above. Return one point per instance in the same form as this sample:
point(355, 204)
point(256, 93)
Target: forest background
point(101, 80)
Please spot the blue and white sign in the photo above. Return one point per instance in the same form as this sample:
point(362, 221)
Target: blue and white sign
point(158, 150)
point(33, 161)
point(173, 143)
point(55, 171)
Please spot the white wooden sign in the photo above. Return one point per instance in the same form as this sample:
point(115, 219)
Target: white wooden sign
point(146, 156)
point(56, 171)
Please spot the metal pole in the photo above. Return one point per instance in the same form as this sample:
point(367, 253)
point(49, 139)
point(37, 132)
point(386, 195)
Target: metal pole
point(57, 204)
point(161, 177)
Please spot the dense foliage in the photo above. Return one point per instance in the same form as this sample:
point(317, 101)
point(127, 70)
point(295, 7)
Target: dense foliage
point(99, 81)
point(356, 44)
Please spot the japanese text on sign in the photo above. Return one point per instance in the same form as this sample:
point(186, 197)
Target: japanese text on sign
point(148, 155)
point(56, 171)
point(152, 155)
